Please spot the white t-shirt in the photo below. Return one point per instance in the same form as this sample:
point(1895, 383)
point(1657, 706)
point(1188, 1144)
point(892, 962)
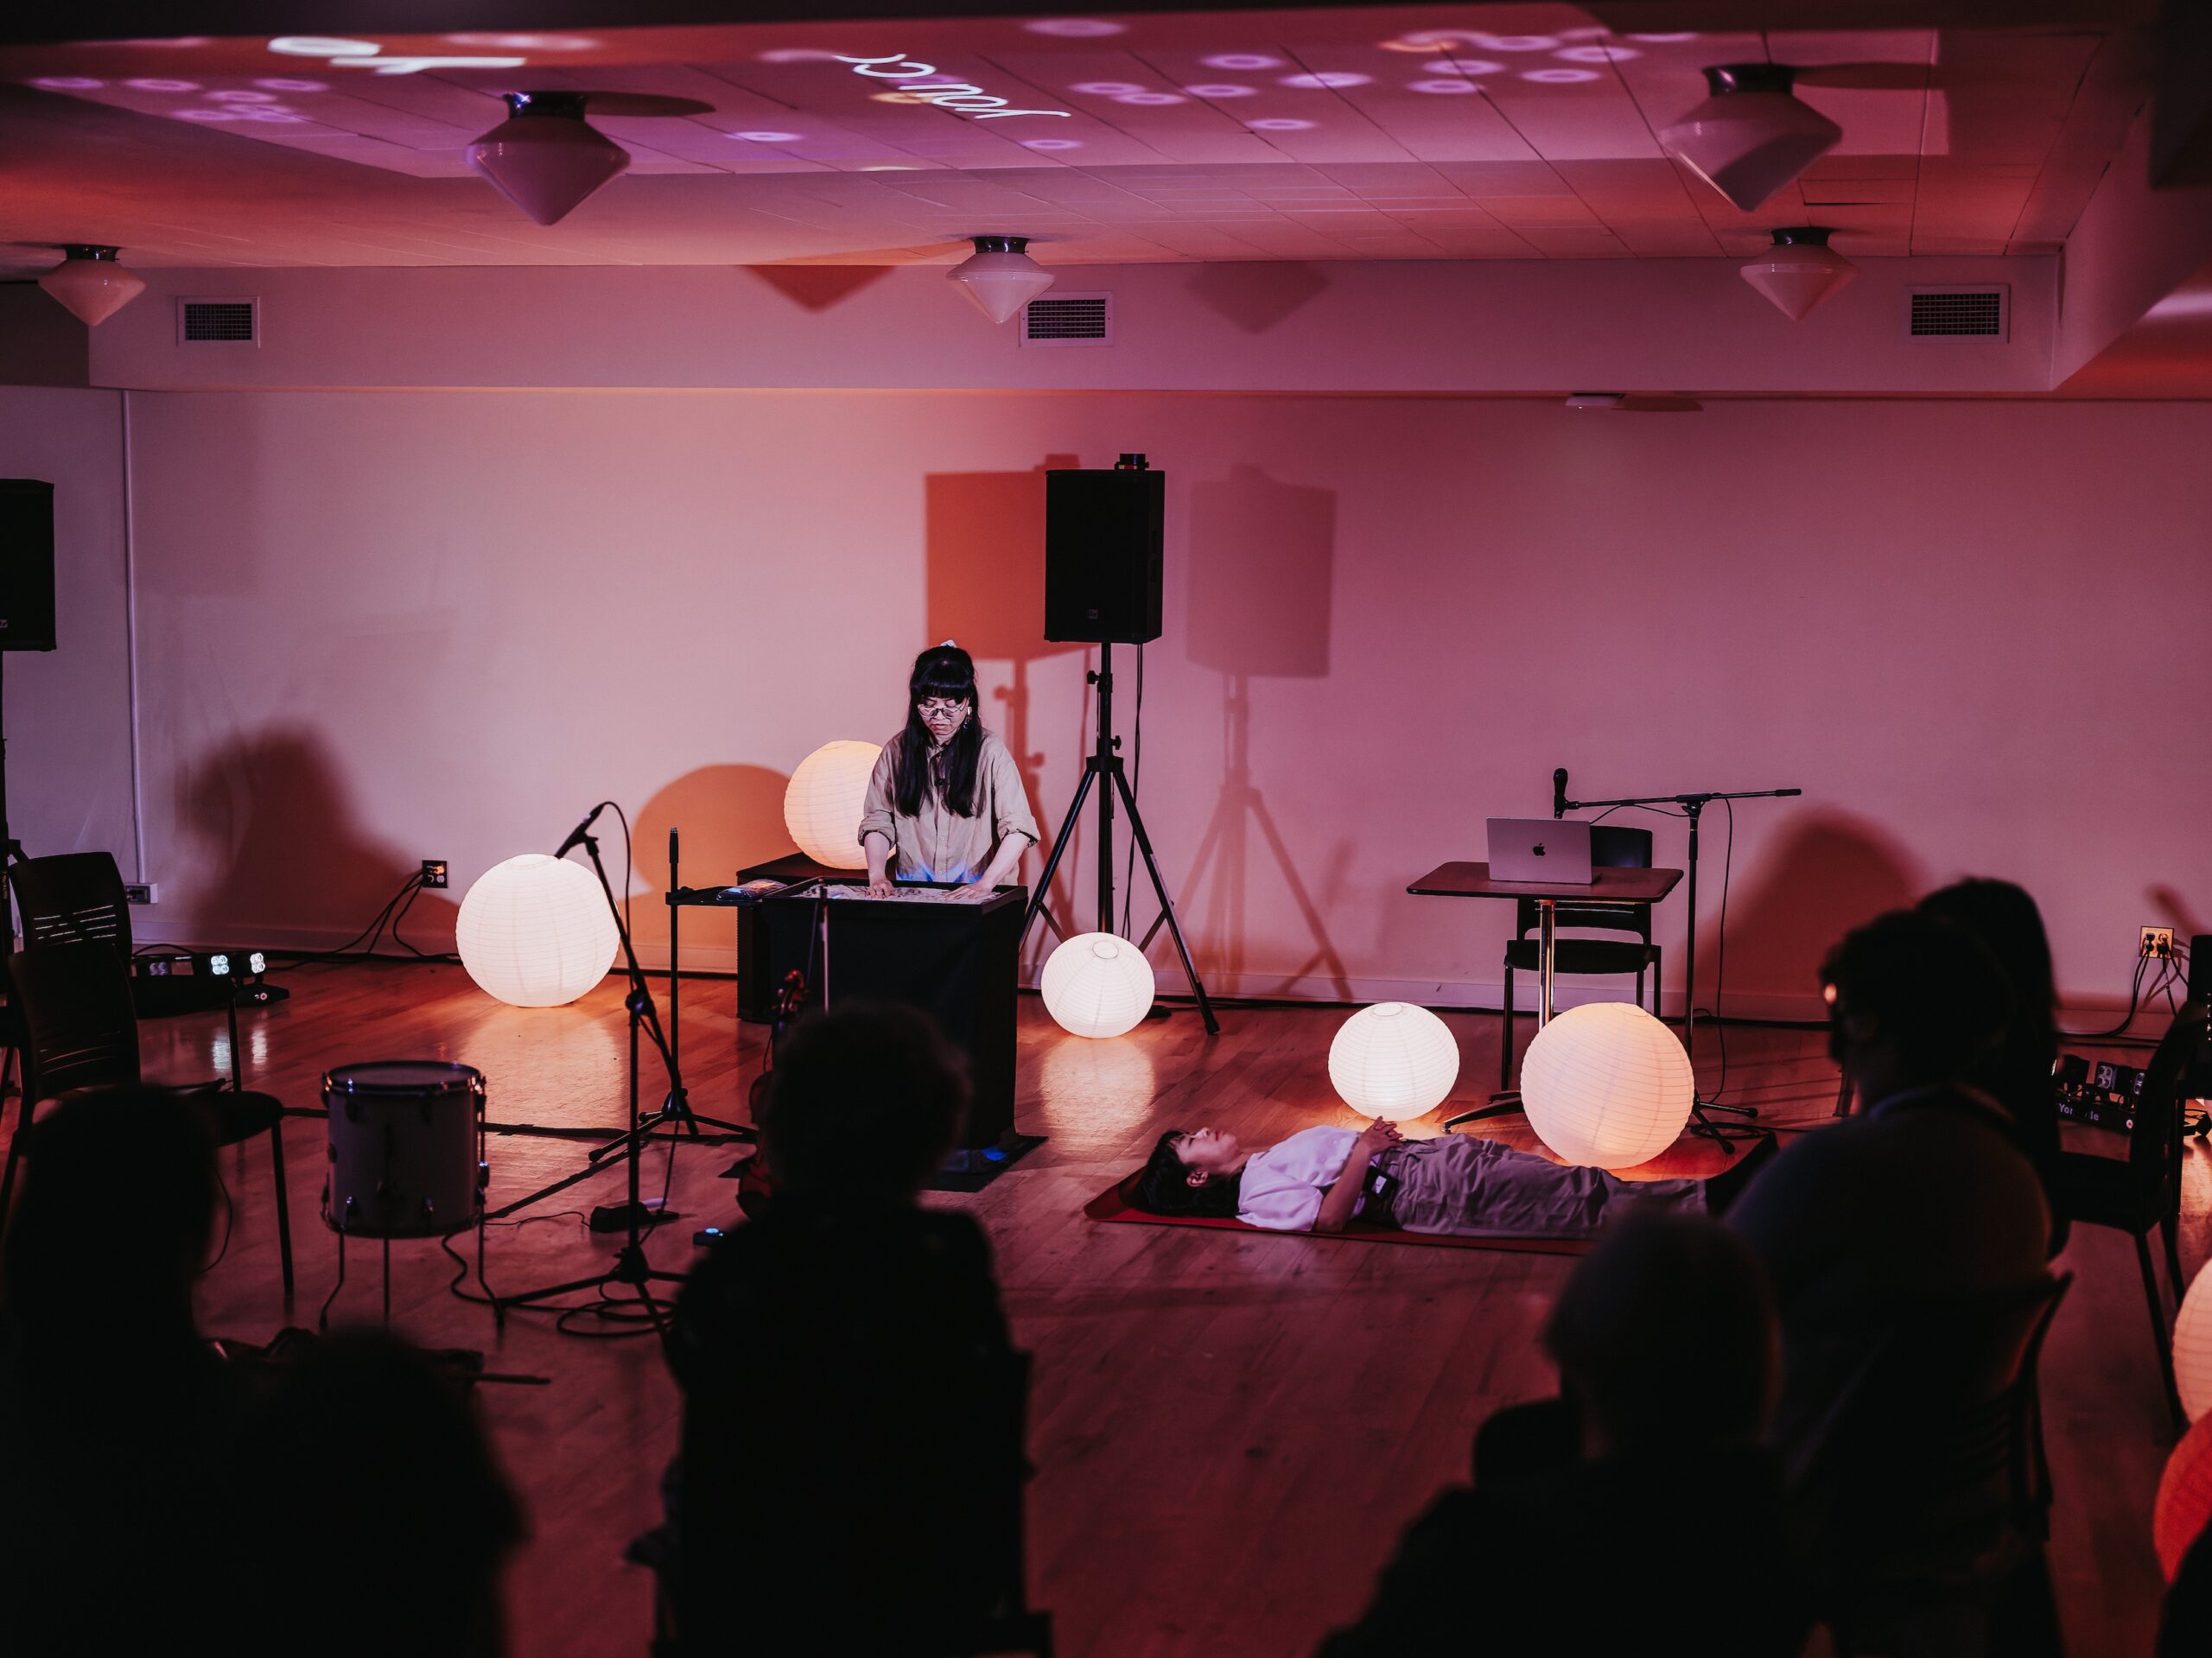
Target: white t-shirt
point(1281, 1187)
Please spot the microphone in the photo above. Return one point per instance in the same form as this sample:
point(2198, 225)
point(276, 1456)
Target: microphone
point(1559, 793)
point(578, 834)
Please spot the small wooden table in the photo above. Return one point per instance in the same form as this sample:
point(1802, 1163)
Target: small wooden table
point(1626, 886)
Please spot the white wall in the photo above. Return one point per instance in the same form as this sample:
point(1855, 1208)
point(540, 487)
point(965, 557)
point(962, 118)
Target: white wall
point(1487, 325)
point(380, 626)
point(68, 711)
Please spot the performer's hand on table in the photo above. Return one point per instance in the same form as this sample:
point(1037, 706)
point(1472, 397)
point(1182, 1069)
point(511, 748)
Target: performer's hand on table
point(974, 892)
point(882, 887)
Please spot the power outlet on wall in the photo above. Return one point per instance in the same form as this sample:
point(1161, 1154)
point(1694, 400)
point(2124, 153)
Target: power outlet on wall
point(2157, 943)
point(142, 892)
point(434, 874)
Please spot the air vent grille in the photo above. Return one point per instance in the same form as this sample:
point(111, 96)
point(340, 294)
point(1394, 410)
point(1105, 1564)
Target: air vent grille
point(218, 322)
point(1959, 314)
point(1069, 319)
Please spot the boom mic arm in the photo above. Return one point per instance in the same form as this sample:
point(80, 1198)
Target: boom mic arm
point(576, 834)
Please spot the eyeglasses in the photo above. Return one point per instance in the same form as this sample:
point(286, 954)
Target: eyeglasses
point(942, 708)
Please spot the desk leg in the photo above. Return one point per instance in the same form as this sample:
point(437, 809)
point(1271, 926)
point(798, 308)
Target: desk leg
point(1545, 956)
point(1508, 1100)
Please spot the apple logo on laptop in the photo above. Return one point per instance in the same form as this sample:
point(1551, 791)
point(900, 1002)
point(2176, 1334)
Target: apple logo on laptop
point(1539, 849)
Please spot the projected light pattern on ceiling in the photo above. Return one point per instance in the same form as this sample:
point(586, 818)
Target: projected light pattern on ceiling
point(1294, 135)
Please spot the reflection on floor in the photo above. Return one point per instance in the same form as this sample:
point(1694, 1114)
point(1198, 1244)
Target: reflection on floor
point(1301, 1401)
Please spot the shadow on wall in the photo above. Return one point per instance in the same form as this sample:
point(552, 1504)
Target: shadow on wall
point(2175, 910)
point(1827, 872)
point(284, 850)
point(727, 817)
point(1262, 557)
point(817, 287)
point(1256, 296)
point(986, 589)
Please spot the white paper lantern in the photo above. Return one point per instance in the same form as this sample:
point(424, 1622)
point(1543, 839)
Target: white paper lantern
point(824, 800)
point(536, 931)
point(2184, 1503)
point(1096, 984)
point(1394, 1061)
point(1606, 1085)
point(2193, 1346)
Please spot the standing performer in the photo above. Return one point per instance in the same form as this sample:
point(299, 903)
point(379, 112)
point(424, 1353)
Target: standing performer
point(945, 803)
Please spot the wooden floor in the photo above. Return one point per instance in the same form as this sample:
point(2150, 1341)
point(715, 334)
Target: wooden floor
point(1230, 1432)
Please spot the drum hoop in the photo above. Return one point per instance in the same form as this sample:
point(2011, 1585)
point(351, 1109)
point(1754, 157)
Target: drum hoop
point(459, 1079)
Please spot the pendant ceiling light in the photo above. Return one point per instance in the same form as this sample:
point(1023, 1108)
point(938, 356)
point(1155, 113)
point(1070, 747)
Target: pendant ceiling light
point(1751, 135)
point(1001, 277)
point(90, 283)
point(1800, 271)
point(544, 157)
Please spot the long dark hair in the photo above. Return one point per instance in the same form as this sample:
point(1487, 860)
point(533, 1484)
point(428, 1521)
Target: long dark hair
point(2006, 919)
point(941, 670)
point(1165, 1188)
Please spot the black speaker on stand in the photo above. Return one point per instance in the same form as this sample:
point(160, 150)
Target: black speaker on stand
point(26, 600)
point(1104, 576)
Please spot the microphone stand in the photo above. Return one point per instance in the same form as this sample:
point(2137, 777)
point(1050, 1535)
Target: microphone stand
point(631, 1267)
point(1692, 807)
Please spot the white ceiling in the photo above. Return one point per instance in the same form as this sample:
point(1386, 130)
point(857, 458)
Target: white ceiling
point(1344, 133)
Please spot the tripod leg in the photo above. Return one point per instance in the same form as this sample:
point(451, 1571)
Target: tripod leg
point(1060, 847)
point(1298, 893)
point(1167, 904)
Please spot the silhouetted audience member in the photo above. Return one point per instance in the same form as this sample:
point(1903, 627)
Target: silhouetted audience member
point(374, 1518)
point(1595, 1533)
point(1921, 1196)
point(117, 1422)
point(850, 1468)
point(2016, 1070)
point(2185, 1621)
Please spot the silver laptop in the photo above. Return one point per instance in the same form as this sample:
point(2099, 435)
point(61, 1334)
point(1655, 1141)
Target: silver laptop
point(1554, 850)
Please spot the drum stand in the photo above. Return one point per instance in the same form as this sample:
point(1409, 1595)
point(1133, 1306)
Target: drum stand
point(630, 1264)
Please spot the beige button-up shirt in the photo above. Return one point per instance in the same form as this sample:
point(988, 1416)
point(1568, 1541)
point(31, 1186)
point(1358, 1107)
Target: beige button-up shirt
point(937, 843)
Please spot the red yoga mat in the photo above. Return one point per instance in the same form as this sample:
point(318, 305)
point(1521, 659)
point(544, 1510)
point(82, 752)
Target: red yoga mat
point(1113, 1205)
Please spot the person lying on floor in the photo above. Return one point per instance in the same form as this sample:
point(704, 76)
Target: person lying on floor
point(1454, 1183)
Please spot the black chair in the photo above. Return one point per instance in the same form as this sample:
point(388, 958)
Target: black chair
point(1922, 1500)
point(73, 897)
point(1613, 845)
point(2144, 1189)
point(79, 1030)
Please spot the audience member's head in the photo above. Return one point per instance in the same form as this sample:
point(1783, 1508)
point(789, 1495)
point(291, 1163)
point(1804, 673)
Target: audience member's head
point(113, 1217)
point(1195, 1173)
point(378, 1516)
point(863, 1102)
point(1666, 1335)
point(1913, 1001)
point(2006, 921)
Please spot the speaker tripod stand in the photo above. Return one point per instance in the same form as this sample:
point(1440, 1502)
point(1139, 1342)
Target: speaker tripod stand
point(1103, 767)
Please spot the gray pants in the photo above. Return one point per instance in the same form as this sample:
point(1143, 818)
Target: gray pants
point(1478, 1188)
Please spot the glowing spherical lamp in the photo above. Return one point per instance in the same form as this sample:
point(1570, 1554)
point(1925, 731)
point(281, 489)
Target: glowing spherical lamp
point(2193, 1347)
point(2184, 1499)
point(824, 800)
point(1606, 1085)
point(1394, 1061)
point(536, 931)
point(1097, 985)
